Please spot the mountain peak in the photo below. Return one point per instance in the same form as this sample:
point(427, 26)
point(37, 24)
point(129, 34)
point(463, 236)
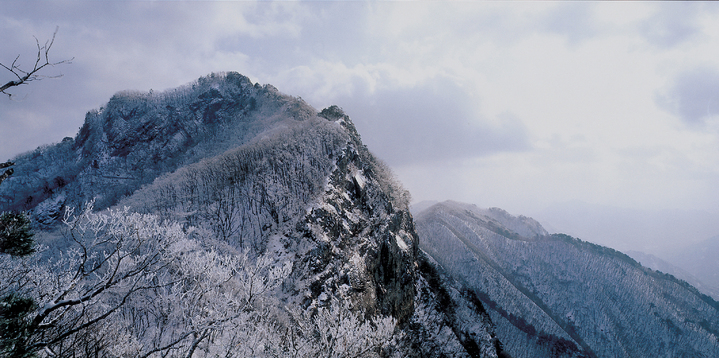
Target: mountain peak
point(246, 169)
point(138, 136)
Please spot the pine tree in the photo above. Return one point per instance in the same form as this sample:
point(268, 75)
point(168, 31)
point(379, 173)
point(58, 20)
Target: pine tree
point(16, 239)
point(14, 325)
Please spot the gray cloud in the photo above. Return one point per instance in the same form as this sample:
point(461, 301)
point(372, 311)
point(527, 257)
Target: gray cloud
point(694, 96)
point(434, 121)
point(672, 24)
point(143, 45)
point(572, 20)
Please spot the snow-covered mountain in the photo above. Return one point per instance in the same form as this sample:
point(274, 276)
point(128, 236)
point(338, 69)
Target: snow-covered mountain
point(137, 137)
point(554, 295)
point(257, 226)
point(243, 222)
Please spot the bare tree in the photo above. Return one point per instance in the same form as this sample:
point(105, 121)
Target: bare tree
point(24, 76)
point(41, 61)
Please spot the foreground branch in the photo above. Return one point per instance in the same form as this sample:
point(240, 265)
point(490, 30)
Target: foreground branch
point(42, 61)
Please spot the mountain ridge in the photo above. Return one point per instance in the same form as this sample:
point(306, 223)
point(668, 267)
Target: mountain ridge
point(137, 136)
point(248, 174)
point(560, 296)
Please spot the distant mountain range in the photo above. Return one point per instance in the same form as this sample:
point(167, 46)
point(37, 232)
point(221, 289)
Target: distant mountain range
point(701, 260)
point(679, 242)
point(555, 295)
point(656, 232)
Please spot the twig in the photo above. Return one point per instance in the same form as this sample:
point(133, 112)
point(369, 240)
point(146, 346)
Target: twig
point(42, 61)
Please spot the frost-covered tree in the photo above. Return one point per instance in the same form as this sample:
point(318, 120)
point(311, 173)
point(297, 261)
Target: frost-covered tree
point(332, 331)
point(16, 240)
point(129, 285)
point(121, 268)
point(113, 257)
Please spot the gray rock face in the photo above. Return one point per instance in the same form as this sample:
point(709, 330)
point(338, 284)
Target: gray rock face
point(363, 236)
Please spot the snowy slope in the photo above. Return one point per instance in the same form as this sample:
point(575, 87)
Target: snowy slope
point(559, 296)
point(249, 172)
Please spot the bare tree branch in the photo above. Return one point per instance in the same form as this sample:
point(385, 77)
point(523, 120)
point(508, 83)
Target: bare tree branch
point(42, 61)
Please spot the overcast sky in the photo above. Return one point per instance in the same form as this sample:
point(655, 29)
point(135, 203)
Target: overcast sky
point(518, 105)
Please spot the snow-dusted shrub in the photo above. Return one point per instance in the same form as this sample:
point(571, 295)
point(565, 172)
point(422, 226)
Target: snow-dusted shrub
point(130, 285)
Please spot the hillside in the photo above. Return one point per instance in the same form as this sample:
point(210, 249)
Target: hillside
point(700, 260)
point(554, 295)
point(242, 222)
point(138, 136)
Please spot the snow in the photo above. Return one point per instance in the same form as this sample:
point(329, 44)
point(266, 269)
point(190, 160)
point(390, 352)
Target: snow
point(244, 189)
point(400, 242)
point(360, 179)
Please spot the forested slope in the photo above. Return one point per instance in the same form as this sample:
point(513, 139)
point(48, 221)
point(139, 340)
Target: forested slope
point(242, 222)
point(554, 295)
point(138, 136)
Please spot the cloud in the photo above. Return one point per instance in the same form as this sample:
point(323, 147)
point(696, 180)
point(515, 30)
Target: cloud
point(672, 24)
point(693, 96)
point(497, 103)
point(573, 20)
point(432, 121)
